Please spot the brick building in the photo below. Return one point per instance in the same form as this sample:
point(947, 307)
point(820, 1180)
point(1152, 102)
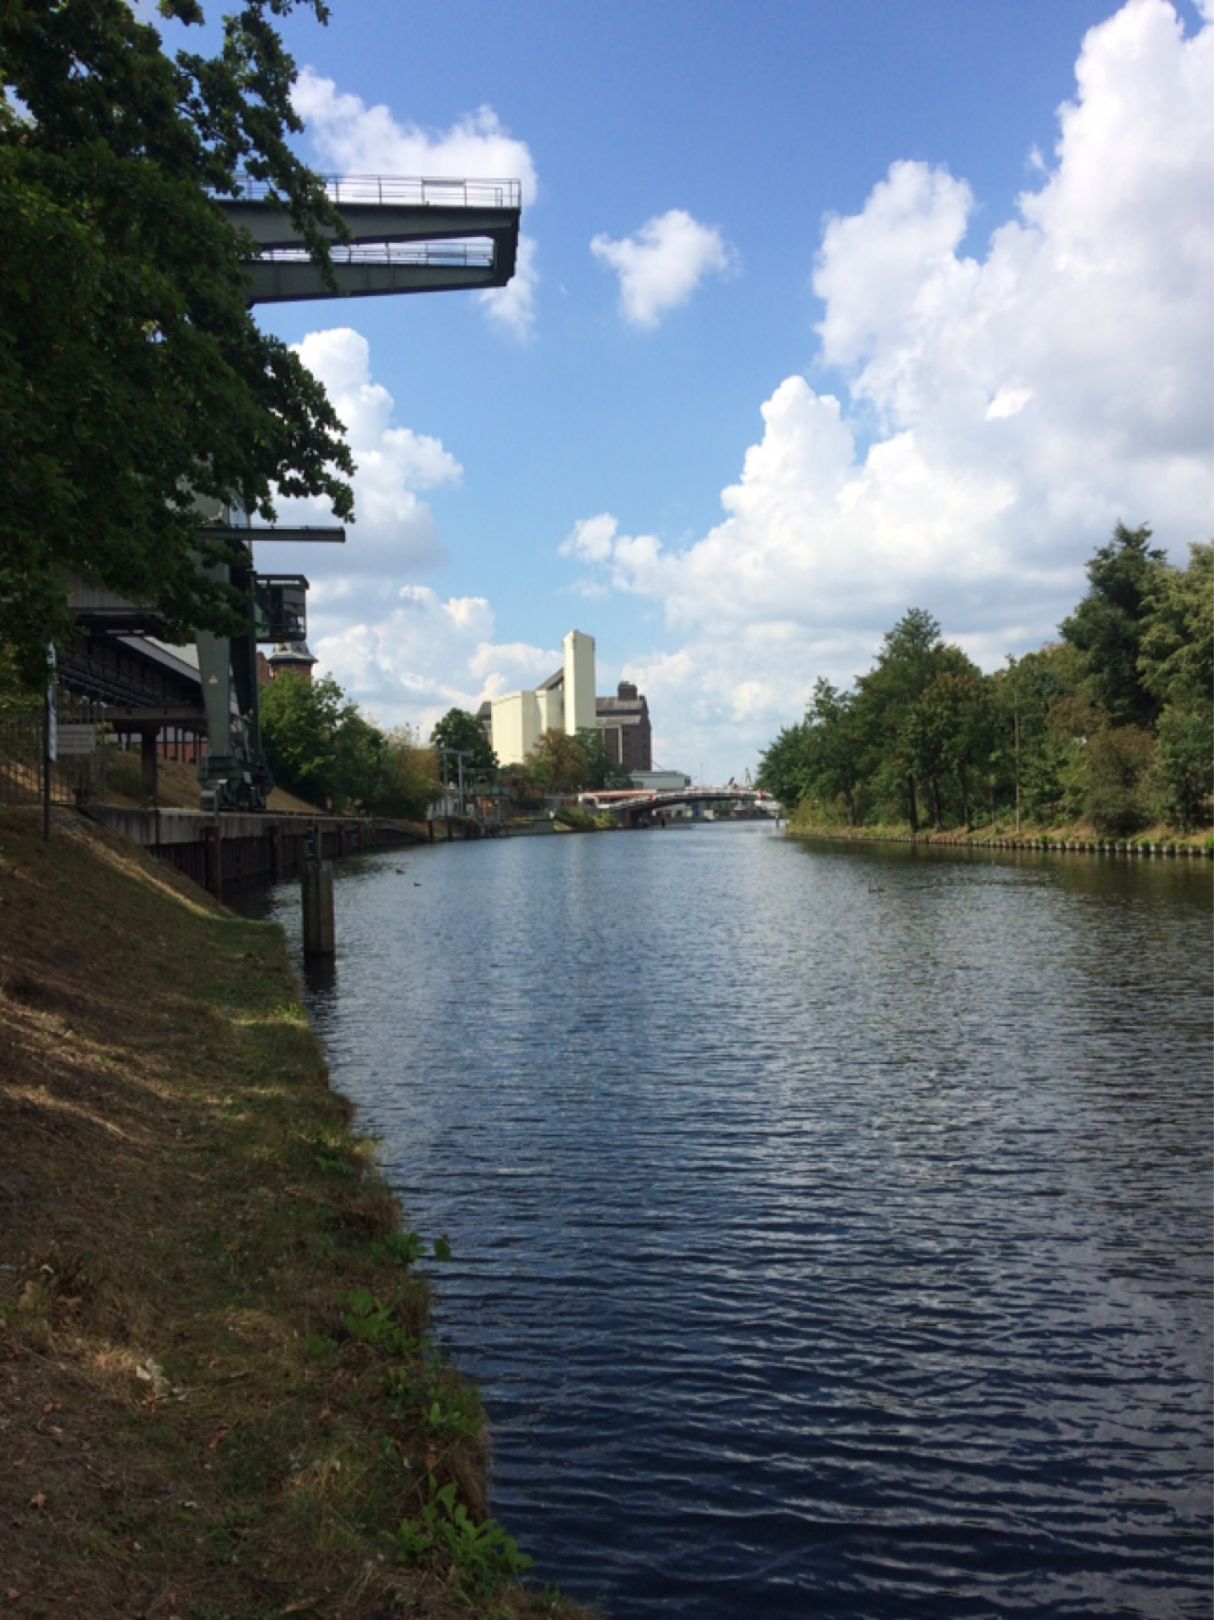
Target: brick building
point(624, 722)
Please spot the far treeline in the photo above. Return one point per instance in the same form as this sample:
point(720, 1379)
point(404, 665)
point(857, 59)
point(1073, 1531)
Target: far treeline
point(324, 749)
point(1112, 726)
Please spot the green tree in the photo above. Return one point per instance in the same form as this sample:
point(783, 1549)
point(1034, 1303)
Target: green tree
point(1184, 762)
point(822, 757)
point(837, 752)
point(299, 720)
point(784, 768)
point(1176, 662)
point(132, 375)
point(407, 780)
point(557, 763)
point(1029, 753)
point(1176, 646)
point(1115, 778)
point(948, 739)
point(912, 655)
point(1108, 625)
point(599, 770)
point(312, 737)
point(360, 762)
point(461, 730)
point(561, 763)
point(321, 746)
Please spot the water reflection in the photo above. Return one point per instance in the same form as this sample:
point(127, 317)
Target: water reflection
point(831, 1224)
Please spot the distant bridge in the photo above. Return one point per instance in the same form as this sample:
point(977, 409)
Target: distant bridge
point(635, 804)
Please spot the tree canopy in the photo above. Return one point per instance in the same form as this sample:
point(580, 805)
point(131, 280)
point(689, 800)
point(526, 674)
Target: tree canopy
point(133, 378)
point(561, 762)
point(1107, 626)
point(460, 730)
point(1114, 725)
point(322, 747)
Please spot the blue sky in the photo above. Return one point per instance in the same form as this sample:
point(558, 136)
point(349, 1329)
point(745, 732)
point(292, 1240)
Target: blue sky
point(844, 261)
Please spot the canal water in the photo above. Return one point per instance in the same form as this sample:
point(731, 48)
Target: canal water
point(831, 1224)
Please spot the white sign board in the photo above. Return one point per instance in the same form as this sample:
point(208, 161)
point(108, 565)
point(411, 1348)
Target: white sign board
point(76, 739)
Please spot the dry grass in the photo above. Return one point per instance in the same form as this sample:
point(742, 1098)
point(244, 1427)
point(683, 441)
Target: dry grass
point(177, 786)
point(197, 1423)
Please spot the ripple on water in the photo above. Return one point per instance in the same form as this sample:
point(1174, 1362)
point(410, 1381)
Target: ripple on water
point(831, 1226)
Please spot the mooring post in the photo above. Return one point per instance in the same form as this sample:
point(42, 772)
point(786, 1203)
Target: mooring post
point(319, 934)
point(149, 763)
point(212, 846)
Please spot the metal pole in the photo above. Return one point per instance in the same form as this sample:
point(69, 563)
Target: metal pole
point(50, 735)
point(46, 764)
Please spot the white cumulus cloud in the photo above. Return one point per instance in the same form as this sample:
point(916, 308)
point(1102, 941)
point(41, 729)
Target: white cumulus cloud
point(997, 409)
point(356, 139)
point(513, 307)
point(353, 138)
point(419, 655)
point(662, 265)
point(394, 530)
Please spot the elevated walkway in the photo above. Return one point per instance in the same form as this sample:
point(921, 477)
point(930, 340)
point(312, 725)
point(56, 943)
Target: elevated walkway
point(405, 235)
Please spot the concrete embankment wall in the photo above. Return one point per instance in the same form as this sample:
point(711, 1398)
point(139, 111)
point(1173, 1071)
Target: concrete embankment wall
point(1059, 845)
point(225, 850)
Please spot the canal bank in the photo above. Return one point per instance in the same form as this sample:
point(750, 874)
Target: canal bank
point(221, 1398)
point(222, 852)
point(1077, 839)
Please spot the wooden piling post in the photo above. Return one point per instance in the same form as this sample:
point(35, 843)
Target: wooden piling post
point(149, 763)
point(319, 934)
point(212, 838)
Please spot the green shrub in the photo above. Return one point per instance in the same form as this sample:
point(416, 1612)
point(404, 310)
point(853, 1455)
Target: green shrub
point(1115, 778)
point(1184, 771)
point(578, 820)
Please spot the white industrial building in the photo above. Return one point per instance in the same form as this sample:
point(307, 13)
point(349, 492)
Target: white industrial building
point(564, 702)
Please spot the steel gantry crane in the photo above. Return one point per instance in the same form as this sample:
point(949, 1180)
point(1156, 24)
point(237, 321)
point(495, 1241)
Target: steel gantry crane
point(405, 236)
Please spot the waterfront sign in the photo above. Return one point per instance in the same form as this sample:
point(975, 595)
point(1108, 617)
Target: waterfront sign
point(75, 739)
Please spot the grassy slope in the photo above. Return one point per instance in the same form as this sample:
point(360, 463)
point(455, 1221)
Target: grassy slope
point(204, 1416)
point(177, 786)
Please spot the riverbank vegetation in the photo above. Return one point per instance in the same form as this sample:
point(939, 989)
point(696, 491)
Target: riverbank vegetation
point(1111, 729)
point(221, 1398)
point(323, 749)
point(562, 762)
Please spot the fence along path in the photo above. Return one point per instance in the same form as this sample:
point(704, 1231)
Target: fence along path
point(77, 774)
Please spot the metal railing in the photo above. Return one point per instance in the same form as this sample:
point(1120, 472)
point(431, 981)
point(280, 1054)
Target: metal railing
point(76, 777)
point(477, 254)
point(384, 190)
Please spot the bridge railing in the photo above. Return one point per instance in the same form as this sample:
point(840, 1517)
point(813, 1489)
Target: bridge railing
point(403, 190)
point(621, 799)
point(475, 254)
